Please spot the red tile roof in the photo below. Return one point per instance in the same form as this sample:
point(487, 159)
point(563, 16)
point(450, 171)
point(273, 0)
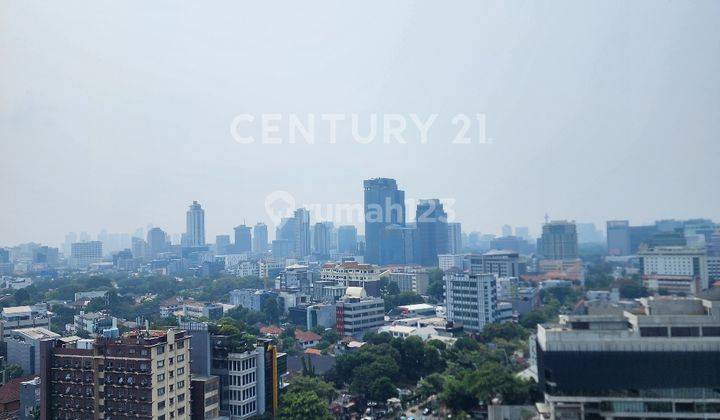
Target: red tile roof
point(272, 330)
point(305, 336)
point(11, 390)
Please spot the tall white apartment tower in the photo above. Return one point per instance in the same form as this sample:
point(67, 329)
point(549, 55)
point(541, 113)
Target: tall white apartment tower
point(195, 225)
point(454, 238)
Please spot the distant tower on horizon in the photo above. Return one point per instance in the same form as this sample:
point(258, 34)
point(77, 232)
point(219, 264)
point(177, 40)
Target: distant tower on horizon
point(454, 238)
point(243, 239)
point(432, 232)
point(384, 206)
point(260, 238)
point(195, 225)
point(558, 241)
point(157, 241)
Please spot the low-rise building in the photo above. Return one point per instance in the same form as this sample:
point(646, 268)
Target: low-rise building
point(411, 279)
point(307, 339)
point(16, 283)
point(93, 323)
point(17, 317)
point(251, 299)
point(356, 312)
point(205, 400)
point(675, 269)
point(354, 274)
point(450, 261)
point(193, 309)
point(23, 347)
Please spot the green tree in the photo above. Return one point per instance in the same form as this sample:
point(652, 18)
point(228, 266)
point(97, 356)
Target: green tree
point(96, 304)
point(457, 394)
point(381, 389)
point(270, 310)
point(431, 385)
point(21, 297)
point(436, 284)
point(313, 384)
point(505, 330)
point(304, 405)
point(13, 371)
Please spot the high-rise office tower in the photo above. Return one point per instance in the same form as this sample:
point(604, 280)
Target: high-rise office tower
point(558, 241)
point(302, 232)
point(618, 237)
point(321, 239)
point(243, 239)
point(157, 241)
point(384, 206)
point(139, 248)
point(397, 245)
point(432, 232)
point(222, 243)
point(454, 238)
point(260, 238)
point(522, 232)
point(507, 230)
point(347, 239)
point(195, 225)
point(588, 233)
point(332, 235)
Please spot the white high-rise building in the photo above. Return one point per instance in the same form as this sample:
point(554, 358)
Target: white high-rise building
point(471, 299)
point(195, 225)
point(454, 238)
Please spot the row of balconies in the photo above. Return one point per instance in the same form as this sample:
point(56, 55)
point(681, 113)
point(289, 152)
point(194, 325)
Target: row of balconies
point(129, 381)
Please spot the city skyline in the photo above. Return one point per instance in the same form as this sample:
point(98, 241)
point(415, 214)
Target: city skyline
point(174, 235)
point(607, 114)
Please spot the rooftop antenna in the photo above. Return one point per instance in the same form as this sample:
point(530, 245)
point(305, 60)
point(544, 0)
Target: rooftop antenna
point(547, 218)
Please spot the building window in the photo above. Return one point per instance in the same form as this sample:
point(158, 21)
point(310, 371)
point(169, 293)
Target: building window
point(685, 331)
point(161, 349)
point(653, 331)
point(161, 391)
point(161, 377)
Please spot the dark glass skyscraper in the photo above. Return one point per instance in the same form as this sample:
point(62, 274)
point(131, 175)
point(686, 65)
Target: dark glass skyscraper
point(432, 232)
point(321, 239)
point(384, 206)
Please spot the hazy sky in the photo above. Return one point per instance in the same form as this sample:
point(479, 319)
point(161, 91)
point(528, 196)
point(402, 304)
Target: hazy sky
point(117, 114)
